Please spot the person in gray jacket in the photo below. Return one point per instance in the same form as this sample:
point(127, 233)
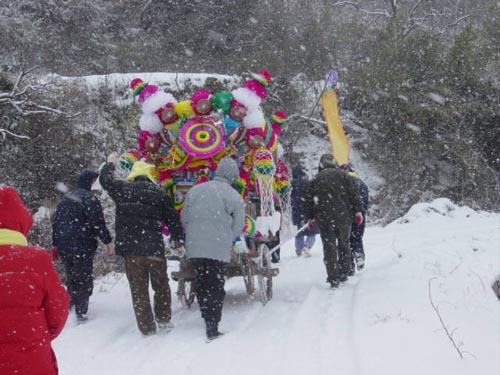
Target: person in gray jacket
point(213, 216)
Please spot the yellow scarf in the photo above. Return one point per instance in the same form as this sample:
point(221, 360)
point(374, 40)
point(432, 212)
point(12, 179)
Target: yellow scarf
point(11, 237)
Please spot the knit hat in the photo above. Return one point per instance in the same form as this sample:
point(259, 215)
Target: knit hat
point(327, 161)
point(13, 213)
point(346, 167)
point(298, 172)
point(86, 179)
point(152, 98)
point(144, 169)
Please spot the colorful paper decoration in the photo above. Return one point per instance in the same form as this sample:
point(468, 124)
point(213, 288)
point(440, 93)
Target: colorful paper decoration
point(201, 138)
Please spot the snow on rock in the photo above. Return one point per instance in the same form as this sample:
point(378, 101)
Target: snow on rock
point(119, 82)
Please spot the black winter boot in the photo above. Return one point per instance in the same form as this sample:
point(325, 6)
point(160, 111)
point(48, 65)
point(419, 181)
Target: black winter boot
point(213, 331)
point(334, 283)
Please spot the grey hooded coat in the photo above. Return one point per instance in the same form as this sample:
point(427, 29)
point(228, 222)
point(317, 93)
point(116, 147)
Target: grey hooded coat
point(213, 214)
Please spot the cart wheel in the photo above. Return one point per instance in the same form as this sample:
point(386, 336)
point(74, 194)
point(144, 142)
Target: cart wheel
point(248, 273)
point(264, 274)
point(185, 292)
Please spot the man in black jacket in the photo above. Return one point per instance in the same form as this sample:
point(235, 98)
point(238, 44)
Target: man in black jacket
point(141, 207)
point(357, 231)
point(78, 222)
point(333, 201)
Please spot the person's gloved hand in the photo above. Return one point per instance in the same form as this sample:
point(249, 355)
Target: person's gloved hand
point(358, 218)
point(113, 158)
point(310, 224)
point(54, 253)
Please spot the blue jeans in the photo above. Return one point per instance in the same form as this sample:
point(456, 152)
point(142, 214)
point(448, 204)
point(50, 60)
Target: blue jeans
point(301, 240)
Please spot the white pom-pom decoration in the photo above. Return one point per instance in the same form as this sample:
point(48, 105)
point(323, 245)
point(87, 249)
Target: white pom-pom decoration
point(246, 97)
point(150, 122)
point(156, 101)
point(254, 119)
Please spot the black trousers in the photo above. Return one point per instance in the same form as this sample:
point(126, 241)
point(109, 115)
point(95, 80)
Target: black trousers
point(336, 250)
point(356, 239)
point(209, 288)
point(275, 257)
point(79, 280)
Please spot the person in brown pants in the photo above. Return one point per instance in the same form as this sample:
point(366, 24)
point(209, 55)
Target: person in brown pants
point(139, 270)
point(141, 207)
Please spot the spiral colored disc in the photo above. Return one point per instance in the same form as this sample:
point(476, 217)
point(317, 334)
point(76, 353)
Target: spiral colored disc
point(201, 138)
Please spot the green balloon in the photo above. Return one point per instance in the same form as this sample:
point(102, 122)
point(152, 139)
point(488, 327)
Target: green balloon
point(221, 100)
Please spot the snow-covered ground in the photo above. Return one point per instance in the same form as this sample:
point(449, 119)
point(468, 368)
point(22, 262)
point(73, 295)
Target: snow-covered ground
point(380, 322)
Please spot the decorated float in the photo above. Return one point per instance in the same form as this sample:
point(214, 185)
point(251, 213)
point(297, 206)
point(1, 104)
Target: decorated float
point(185, 140)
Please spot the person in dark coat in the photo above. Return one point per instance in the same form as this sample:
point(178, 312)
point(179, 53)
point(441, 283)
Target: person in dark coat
point(34, 305)
point(141, 207)
point(357, 231)
point(305, 239)
point(333, 201)
point(213, 216)
point(78, 223)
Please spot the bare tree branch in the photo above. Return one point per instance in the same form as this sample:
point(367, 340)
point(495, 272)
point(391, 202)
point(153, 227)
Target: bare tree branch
point(18, 98)
point(448, 333)
point(394, 6)
point(307, 118)
point(4, 132)
point(364, 10)
point(415, 6)
point(457, 21)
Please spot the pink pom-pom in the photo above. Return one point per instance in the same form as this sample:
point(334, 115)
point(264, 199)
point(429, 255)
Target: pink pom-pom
point(256, 87)
point(135, 82)
point(200, 94)
point(265, 73)
point(146, 92)
point(279, 117)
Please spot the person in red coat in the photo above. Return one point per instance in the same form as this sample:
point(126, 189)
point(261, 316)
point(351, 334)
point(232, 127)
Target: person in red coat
point(34, 305)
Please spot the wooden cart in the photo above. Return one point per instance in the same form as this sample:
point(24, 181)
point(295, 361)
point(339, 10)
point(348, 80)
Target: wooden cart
point(254, 267)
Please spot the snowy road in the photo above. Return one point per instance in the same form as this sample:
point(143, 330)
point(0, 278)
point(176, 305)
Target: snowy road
point(379, 322)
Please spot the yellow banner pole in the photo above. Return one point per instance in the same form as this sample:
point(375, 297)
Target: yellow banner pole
point(336, 134)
